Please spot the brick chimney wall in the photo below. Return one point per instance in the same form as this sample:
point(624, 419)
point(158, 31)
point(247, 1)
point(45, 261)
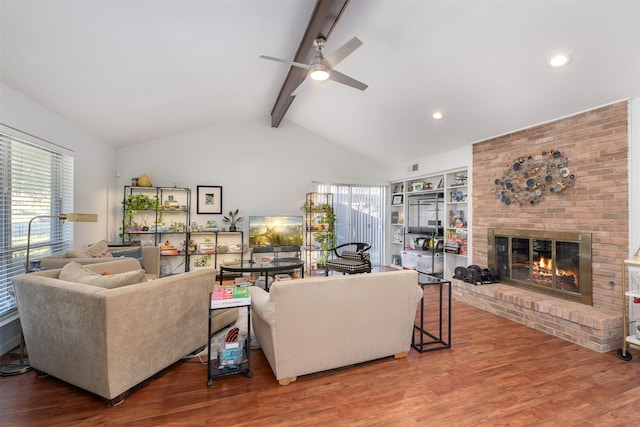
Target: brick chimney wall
point(596, 144)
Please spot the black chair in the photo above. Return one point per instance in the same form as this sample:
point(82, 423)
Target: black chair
point(350, 258)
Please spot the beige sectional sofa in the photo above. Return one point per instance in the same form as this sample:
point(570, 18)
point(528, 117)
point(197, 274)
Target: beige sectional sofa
point(315, 324)
point(150, 258)
point(109, 340)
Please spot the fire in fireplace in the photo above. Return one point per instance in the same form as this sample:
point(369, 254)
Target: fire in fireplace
point(556, 263)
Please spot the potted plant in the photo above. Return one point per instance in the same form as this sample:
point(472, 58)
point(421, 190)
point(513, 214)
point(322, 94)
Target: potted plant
point(201, 261)
point(133, 204)
point(326, 238)
point(233, 219)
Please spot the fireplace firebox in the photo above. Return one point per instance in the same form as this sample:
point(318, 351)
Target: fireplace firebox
point(550, 262)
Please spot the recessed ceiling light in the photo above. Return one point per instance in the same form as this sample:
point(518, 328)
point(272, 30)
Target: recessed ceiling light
point(437, 115)
point(559, 60)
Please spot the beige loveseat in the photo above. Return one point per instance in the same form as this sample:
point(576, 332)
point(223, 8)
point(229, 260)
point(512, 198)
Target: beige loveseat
point(150, 258)
point(109, 340)
point(315, 324)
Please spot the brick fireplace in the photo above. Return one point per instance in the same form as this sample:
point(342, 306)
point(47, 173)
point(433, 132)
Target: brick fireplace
point(595, 144)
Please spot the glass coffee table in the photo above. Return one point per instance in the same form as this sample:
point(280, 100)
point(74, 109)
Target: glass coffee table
point(263, 268)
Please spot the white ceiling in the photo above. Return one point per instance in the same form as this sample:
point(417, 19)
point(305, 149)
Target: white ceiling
point(131, 71)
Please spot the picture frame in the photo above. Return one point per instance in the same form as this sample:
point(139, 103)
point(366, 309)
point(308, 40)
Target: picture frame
point(397, 199)
point(209, 200)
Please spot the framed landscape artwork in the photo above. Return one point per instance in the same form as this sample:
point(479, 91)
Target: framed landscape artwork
point(209, 199)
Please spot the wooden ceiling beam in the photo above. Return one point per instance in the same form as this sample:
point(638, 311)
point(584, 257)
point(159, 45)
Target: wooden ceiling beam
point(324, 18)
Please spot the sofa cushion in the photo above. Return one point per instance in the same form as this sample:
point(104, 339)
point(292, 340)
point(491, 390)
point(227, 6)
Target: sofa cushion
point(74, 272)
point(99, 250)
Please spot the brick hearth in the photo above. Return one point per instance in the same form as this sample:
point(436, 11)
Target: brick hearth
point(599, 330)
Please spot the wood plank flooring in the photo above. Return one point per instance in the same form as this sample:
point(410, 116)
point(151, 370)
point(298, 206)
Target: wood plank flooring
point(497, 373)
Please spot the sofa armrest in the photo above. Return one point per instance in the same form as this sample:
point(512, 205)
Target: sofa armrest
point(151, 259)
point(261, 305)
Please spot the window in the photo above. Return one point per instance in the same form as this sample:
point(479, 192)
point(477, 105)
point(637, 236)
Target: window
point(36, 178)
point(359, 216)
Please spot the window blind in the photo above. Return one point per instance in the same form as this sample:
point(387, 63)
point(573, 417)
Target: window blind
point(36, 179)
point(360, 213)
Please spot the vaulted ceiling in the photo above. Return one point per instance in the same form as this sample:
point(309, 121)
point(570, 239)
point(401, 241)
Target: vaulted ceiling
point(131, 71)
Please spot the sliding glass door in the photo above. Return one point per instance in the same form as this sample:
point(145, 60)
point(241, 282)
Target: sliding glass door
point(360, 215)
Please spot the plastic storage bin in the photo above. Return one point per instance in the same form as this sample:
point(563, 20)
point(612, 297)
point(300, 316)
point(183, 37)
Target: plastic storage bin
point(430, 263)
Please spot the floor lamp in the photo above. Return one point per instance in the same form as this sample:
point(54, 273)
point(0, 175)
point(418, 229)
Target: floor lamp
point(22, 365)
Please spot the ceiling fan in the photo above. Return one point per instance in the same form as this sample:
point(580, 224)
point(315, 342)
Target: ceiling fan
point(321, 67)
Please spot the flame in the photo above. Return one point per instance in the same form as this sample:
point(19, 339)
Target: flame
point(544, 264)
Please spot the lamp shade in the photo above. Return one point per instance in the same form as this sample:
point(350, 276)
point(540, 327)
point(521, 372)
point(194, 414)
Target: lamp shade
point(79, 217)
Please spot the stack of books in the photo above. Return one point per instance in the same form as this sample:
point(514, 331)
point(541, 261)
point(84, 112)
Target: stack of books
point(230, 296)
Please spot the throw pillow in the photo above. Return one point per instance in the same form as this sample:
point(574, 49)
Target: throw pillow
point(135, 252)
point(77, 254)
point(90, 252)
point(74, 272)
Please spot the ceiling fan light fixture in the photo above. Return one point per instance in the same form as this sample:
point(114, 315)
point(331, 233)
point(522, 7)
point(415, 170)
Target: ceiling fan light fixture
point(559, 60)
point(319, 72)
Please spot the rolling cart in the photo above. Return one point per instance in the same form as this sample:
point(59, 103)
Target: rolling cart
point(630, 290)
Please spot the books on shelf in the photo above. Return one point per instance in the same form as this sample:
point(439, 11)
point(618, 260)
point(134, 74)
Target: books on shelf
point(230, 296)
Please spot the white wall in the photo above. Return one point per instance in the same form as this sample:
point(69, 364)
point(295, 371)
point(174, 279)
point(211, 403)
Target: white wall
point(262, 170)
point(94, 168)
point(94, 161)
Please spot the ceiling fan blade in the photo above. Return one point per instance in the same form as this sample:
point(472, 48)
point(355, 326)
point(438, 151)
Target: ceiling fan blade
point(295, 64)
point(335, 57)
point(337, 76)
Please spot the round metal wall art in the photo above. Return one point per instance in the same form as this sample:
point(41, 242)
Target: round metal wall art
point(527, 179)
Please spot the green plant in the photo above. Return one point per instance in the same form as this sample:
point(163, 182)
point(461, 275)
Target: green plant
point(132, 205)
point(202, 261)
point(327, 238)
point(233, 218)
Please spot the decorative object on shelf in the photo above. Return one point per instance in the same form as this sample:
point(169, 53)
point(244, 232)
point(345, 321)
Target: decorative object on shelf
point(461, 178)
point(526, 179)
point(192, 246)
point(211, 226)
point(168, 249)
point(170, 203)
point(178, 227)
point(233, 219)
point(209, 199)
point(397, 199)
point(638, 329)
point(636, 256)
point(207, 248)
point(202, 261)
point(144, 180)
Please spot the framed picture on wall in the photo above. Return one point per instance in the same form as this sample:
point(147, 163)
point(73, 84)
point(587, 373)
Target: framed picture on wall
point(209, 199)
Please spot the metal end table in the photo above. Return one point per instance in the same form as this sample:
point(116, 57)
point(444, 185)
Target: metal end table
point(422, 339)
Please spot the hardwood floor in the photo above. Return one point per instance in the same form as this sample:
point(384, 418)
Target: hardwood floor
point(497, 373)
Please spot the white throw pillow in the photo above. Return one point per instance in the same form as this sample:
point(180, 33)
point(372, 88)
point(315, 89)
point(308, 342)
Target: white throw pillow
point(74, 272)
